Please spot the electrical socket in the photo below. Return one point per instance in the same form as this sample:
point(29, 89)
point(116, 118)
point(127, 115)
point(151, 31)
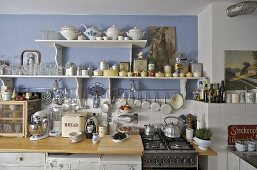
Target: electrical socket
point(97, 114)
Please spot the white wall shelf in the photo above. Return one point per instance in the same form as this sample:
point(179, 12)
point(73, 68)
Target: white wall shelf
point(95, 43)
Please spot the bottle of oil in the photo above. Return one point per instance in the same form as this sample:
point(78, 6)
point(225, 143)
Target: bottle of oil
point(205, 93)
point(222, 92)
point(211, 94)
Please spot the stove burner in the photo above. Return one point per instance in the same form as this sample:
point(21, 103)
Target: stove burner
point(177, 146)
point(154, 145)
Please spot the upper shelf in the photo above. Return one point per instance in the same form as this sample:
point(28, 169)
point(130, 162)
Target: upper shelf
point(95, 43)
point(111, 77)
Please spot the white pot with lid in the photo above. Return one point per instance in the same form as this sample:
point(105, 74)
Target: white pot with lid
point(135, 34)
point(113, 32)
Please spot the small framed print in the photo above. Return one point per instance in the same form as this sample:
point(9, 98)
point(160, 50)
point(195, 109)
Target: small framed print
point(124, 66)
point(140, 64)
point(30, 57)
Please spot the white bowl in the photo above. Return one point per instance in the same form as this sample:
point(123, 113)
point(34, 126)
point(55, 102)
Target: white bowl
point(202, 144)
point(75, 136)
point(240, 146)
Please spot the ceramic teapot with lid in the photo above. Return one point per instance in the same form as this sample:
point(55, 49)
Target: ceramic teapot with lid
point(113, 32)
point(135, 34)
point(92, 32)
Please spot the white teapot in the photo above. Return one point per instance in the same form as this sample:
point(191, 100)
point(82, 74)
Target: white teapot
point(92, 32)
point(113, 32)
point(135, 34)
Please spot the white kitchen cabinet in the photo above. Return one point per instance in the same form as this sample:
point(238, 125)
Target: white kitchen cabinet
point(233, 161)
point(22, 161)
point(246, 166)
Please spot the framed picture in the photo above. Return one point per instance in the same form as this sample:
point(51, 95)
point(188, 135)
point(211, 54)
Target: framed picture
point(240, 69)
point(140, 64)
point(30, 57)
point(162, 42)
point(124, 66)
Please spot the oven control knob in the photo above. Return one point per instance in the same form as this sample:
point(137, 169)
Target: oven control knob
point(176, 160)
point(169, 160)
point(191, 160)
point(156, 160)
point(149, 160)
point(162, 160)
point(183, 160)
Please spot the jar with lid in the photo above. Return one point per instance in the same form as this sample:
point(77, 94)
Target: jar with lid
point(104, 65)
point(70, 69)
point(90, 70)
point(79, 71)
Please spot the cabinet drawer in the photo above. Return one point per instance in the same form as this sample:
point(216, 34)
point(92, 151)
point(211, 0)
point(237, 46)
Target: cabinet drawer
point(21, 168)
point(22, 159)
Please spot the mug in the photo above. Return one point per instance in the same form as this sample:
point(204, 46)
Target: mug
point(249, 97)
point(235, 98)
point(189, 134)
point(251, 146)
point(102, 130)
point(242, 97)
point(228, 98)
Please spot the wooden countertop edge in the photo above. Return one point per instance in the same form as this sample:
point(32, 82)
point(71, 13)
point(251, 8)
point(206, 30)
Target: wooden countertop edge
point(209, 152)
point(83, 147)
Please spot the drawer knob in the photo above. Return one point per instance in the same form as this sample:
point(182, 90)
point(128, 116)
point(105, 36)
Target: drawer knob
point(20, 158)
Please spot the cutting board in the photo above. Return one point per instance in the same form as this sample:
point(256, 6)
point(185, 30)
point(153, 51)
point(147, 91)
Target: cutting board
point(133, 143)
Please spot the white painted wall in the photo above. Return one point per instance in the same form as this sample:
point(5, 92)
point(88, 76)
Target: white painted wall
point(238, 33)
point(218, 32)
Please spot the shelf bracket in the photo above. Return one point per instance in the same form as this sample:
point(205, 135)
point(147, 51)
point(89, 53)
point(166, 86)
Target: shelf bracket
point(110, 88)
point(183, 91)
point(79, 93)
point(58, 55)
point(131, 57)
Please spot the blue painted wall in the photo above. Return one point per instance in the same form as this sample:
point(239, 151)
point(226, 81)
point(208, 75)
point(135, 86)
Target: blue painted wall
point(19, 32)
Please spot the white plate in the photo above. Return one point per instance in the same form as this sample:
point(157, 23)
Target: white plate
point(177, 101)
point(118, 141)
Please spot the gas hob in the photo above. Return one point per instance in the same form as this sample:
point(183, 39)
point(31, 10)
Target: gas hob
point(167, 153)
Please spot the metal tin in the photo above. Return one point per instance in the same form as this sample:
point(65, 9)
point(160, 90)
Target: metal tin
point(73, 123)
point(196, 67)
point(104, 65)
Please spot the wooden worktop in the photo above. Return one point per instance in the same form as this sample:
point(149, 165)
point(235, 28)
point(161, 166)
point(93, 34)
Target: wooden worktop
point(133, 145)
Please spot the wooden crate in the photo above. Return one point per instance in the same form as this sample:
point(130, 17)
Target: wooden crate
point(15, 116)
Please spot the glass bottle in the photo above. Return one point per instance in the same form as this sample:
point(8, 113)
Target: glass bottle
point(151, 64)
point(222, 92)
point(205, 93)
point(217, 94)
point(211, 94)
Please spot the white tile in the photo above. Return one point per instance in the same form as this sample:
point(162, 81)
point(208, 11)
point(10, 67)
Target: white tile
point(251, 120)
point(251, 109)
point(204, 107)
point(214, 109)
point(239, 109)
point(226, 109)
point(213, 121)
point(239, 120)
point(226, 121)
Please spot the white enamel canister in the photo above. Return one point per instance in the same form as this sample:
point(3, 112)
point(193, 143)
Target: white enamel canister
point(73, 122)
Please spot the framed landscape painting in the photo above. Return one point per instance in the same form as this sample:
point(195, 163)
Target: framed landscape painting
point(240, 69)
point(162, 43)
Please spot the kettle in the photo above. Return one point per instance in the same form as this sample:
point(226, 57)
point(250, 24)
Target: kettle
point(171, 130)
point(149, 130)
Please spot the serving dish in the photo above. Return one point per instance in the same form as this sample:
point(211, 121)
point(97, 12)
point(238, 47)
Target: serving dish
point(120, 140)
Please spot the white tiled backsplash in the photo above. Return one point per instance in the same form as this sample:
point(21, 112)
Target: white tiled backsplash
point(219, 117)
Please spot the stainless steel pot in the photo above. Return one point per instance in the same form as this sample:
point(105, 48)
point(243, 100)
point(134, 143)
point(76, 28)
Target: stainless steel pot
point(149, 130)
point(171, 130)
